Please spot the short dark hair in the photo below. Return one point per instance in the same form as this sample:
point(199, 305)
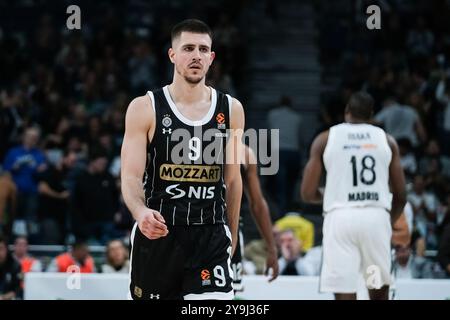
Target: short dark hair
point(360, 105)
point(190, 25)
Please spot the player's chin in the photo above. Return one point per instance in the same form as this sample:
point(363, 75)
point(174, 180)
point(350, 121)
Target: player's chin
point(194, 75)
point(194, 79)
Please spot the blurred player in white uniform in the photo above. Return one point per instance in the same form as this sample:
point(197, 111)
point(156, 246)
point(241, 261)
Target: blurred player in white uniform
point(362, 166)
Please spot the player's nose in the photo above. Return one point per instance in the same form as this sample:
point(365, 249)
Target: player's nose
point(196, 54)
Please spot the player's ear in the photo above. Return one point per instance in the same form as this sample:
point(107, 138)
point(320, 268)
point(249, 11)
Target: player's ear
point(213, 55)
point(171, 54)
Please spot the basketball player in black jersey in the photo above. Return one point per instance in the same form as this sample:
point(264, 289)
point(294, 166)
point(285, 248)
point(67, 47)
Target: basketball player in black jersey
point(261, 215)
point(185, 206)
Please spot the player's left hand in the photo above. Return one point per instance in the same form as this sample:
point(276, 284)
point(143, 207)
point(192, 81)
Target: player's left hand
point(272, 264)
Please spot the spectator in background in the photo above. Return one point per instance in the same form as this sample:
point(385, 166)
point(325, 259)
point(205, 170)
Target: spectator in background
point(420, 39)
point(435, 181)
point(432, 153)
point(291, 262)
point(116, 258)
point(95, 201)
point(220, 79)
point(10, 120)
point(25, 163)
point(8, 202)
point(226, 34)
point(54, 199)
point(123, 219)
point(407, 158)
point(425, 205)
point(106, 143)
point(443, 96)
point(77, 127)
point(94, 129)
point(142, 67)
point(10, 274)
point(302, 228)
point(409, 266)
point(287, 121)
point(27, 262)
point(78, 256)
point(401, 121)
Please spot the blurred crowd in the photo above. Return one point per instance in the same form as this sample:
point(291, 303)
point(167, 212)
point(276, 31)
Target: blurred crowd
point(63, 96)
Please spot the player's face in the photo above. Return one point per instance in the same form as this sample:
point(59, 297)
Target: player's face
point(403, 254)
point(31, 138)
point(192, 56)
point(20, 247)
point(117, 253)
point(80, 254)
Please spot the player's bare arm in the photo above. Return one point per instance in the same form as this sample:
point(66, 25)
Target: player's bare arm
point(397, 181)
point(400, 232)
point(139, 128)
point(260, 211)
point(313, 171)
point(233, 180)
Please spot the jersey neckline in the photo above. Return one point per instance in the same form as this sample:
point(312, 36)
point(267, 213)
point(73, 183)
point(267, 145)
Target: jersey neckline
point(206, 118)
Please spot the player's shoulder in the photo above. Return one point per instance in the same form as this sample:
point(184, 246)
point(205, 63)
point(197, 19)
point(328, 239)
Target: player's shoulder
point(322, 137)
point(233, 103)
point(237, 114)
point(142, 105)
point(320, 142)
point(141, 110)
point(236, 104)
point(141, 102)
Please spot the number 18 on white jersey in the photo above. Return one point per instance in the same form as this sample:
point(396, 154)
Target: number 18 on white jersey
point(357, 158)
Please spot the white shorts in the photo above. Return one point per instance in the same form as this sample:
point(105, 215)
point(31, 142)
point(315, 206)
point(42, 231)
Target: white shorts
point(356, 241)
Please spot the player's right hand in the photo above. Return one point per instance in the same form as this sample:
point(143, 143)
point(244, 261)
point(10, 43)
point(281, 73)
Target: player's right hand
point(152, 224)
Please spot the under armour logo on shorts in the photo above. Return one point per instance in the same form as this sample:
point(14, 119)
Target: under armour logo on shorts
point(154, 296)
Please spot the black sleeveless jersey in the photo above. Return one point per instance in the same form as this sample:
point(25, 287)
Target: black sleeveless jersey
point(184, 175)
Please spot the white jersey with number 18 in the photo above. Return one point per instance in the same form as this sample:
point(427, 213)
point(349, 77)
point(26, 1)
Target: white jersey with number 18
point(357, 159)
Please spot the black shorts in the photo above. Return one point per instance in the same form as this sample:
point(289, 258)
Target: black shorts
point(236, 263)
point(191, 262)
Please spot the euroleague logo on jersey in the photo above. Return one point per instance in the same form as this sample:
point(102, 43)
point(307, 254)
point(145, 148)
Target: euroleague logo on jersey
point(206, 277)
point(220, 118)
point(205, 274)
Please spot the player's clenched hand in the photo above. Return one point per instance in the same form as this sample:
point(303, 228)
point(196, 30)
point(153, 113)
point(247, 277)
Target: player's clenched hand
point(152, 224)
